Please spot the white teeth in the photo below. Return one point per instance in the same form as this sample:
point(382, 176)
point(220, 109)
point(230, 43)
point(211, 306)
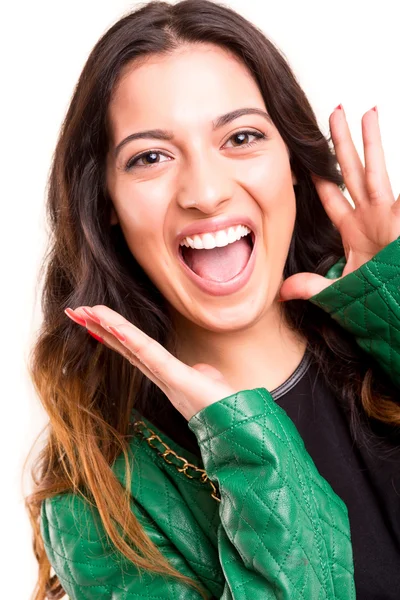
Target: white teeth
point(232, 234)
point(221, 239)
point(208, 240)
point(217, 238)
point(197, 242)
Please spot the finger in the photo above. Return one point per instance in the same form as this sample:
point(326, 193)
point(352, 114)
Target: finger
point(350, 163)
point(335, 204)
point(164, 366)
point(111, 342)
point(376, 176)
point(302, 286)
point(187, 388)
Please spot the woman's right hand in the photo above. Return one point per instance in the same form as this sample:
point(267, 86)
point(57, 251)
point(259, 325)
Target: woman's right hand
point(190, 389)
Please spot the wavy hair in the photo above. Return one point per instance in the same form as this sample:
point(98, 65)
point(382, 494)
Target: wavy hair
point(88, 390)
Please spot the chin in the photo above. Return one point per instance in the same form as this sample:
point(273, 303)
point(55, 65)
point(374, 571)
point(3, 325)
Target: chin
point(223, 316)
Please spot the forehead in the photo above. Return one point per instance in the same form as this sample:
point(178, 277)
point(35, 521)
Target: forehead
point(188, 87)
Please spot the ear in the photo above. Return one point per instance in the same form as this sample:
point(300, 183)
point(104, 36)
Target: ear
point(114, 217)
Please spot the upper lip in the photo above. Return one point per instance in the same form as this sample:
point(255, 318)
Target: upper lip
point(214, 224)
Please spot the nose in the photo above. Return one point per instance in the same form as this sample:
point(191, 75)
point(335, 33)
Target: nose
point(206, 184)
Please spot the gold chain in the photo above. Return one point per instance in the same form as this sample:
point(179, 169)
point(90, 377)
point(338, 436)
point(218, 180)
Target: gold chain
point(199, 474)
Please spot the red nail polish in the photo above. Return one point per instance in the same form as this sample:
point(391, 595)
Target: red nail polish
point(91, 314)
point(96, 337)
point(74, 317)
point(339, 106)
point(375, 109)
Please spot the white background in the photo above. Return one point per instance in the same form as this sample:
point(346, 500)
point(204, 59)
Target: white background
point(342, 52)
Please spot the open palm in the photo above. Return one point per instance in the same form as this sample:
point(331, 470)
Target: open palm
point(373, 223)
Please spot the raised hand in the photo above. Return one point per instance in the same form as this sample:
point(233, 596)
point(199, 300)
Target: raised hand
point(188, 388)
point(373, 223)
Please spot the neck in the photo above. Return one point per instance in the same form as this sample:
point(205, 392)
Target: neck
point(263, 355)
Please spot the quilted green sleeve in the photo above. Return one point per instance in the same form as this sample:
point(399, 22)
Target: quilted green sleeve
point(366, 303)
point(284, 533)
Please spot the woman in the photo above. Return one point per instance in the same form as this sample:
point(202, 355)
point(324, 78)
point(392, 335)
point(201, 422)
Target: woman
point(218, 443)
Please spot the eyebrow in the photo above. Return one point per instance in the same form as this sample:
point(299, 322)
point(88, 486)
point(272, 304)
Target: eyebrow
point(162, 134)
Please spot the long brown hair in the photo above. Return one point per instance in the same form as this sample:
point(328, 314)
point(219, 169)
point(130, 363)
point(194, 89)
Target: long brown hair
point(87, 389)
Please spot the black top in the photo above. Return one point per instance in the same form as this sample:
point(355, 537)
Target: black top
point(368, 483)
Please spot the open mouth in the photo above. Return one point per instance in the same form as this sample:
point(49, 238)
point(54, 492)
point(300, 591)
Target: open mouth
point(222, 263)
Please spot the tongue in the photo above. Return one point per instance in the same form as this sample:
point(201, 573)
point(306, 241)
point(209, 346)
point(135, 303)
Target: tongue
point(219, 264)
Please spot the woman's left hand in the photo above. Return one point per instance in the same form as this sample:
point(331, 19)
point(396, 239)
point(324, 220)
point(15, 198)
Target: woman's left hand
point(373, 223)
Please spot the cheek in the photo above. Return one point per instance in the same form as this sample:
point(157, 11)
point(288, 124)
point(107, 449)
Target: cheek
point(142, 214)
point(269, 182)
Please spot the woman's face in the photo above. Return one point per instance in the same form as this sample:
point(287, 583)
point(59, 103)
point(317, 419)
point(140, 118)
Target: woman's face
point(203, 172)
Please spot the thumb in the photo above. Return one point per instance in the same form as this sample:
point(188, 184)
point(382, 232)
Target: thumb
point(302, 286)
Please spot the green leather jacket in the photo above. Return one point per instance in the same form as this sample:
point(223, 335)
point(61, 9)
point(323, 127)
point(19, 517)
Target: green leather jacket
point(261, 522)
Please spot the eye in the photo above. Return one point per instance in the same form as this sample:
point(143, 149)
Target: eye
point(152, 155)
point(244, 134)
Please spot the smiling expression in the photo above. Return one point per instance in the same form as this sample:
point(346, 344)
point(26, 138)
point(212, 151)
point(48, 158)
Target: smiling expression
point(212, 157)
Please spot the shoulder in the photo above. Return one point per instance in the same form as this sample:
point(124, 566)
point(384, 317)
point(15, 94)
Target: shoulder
point(86, 561)
point(72, 526)
point(71, 516)
point(75, 543)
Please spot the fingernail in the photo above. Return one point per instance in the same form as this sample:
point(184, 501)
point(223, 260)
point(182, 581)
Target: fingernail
point(375, 109)
point(91, 314)
point(96, 337)
point(116, 332)
point(69, 312)
point(339, 106)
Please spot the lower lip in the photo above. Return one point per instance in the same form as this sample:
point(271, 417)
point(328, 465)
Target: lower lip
point(217, 288)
